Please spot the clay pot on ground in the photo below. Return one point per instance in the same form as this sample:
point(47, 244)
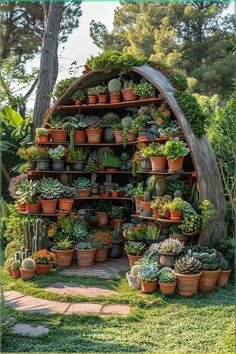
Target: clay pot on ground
point(79, 136)
point(167, 289)
point(58, 135)
point(58, 165)
point(27, 274)
point(48, 206)
point(208, 279)
point(83, 193)
point(175, 214)
point(149, 287)
point(94, 135)
point(42, 138)
point(21, 206)
point(132, 281)
point(92, 99)
point(131, 137)
point(63, 258)
point(132, 259)
point(66, 204)
point(102, 218)
point(16, 273)
point(187, 284)
point(33, 208)
point(167, 260)
point(175, 165)
point(43, 269)
point(223, 278)
point(118, 136)
point(78, 166)
point(42, 165)
point(102, 98)
point(158, 163)
point(146, 206)
point(115, 97)
point(85, 258)
point(9, 270)
point(115, 194)
point(129, 95)
point(101, 254)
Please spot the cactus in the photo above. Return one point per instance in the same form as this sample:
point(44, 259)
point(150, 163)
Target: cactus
point(126, 122)
point(27, 235)
point(167, 198)
point(188, 265)
point(166, 270)
point(46, 244)
point(160, 185)
point(146, 197)
point(28, 263)
point(93, 178)
point(37, 239)
point(209, 258)
point(114, 85)
point(178, 194)
point(134, 270)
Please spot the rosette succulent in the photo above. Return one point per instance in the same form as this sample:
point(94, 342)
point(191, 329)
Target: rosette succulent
point(187, 265)
point(209, 258)
point(50, 188)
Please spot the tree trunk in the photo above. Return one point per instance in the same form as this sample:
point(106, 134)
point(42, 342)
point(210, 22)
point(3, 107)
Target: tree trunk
point(48, 61)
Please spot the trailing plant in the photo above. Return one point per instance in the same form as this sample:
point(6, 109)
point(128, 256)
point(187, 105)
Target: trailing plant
point(57, 153)
point(187, 265)
point(135, 248)
point(175, 148)
point(50, 188)
point(78, 95)
point(144, 89)
point(178, 80)
point(170, 246)
point(81, 183)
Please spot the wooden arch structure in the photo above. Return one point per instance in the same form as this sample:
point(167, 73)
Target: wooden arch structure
point(207, 172)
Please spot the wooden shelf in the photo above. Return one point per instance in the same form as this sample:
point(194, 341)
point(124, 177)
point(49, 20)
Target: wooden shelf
point(41, 214)
point(81, 144)
point(122, 104)
point(167, 173)
point(98, 198)
point(32, 173)
point(164, 221)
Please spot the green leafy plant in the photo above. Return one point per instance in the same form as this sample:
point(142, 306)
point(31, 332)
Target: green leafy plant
point(57, 153)
point(128, 84)
point(27, 192)
point(117, 126)
point(175, 204)
point(207, 212)
point(178, 80)
point(144, 89)
point(112, 162)
point(58, 123)
point(91, 164)
point(154, 150)
point(109, 119)
point(170, 129)
point(117, 212)
point(62, 86)
point(78, 95)
point(153, 232)
point(148, 274)
point(76, 123)
point(81, 183)
point(100, 90)
point(64, 244)
point(49, 188)
point(80, 231)
point(175, 148)
point(33, 153)
point(167, 277)
point(135, 248)
point(15, 265)
point(92, 91)
point(41, 132)
point(187, 265)
point(171, 186)
point(139, 122)
point(170, 246)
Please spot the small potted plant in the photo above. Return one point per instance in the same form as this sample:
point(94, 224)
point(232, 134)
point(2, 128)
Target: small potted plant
point(167, 283)
point(78, 97)
point(128, 134)
point(176, 233)
point(175, 207)
point(7, 265)
point(104, 239)
point(41, 158)
point(85, 252)
point(94, 132)
point(93, 220)
point(102, 214)
point(27, 269)
point(135, 251)
point(140, 125)
point(144, 89)
point(148, 276)
point(57, 154)
point(108, 120)
point(44, 260)
point(128, 91)
point(131, 276)
point(138, 195)
point(223, 278)
point(63, 252)
point(146, 204)
point(175, 150)
point(77, 130)
point(112, 163)
point(27, 194)
point(49, 191)
point(15, 268)
point(152, 234)
point(134, 232)
point(117, 246)
point(101, 93)
point(67, 198)
point(77, 157)
point(58, 129)
point(125, 161)
point(118, 132)
point(187, 271)
point(168, 250)
point(92, 95)
point(115, 190)
point(117, 214)
point(83, 186)
point(41, 135)
point(114, 87)
point(155, 152)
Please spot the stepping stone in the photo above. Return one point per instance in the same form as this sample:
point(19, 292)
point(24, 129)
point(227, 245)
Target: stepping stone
point(25, 329)
point(12, 295)
point(116, 310)
point(109, 269)
point(84, 308)
point(71, 289)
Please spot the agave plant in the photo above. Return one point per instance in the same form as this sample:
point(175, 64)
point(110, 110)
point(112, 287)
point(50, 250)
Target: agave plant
point(58, 123)
point(81, 183)
point(50, 188)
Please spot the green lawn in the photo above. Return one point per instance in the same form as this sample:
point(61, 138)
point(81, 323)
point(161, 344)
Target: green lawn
point(203, 323)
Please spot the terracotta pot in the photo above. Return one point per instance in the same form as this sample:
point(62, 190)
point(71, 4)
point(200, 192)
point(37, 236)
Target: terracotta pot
point(158, 163)
point(63, 258)
point(167, 288)
point(79, 136)
point(175, 165)
point(223, 278)
point(33, 208)
point(115, 97)
point(111, 169)
point(58, 135)
point(208, 280)
point(102, 218)
point(21, 206)
point(115, 194)
point(133, 282)
point(182, 238)
point(167, 260)
point(138, 205)
point(129, 95)
point(16, 273)
point(101, 255)
point(43, 269)
point(149, 287)
point(94, 135)
point(42, 138)
point(92, 99)
point(27, 274)
point(146, 208)
point(102, 98)
point(118, 222)
point(131, 137)
point(66, 204)
point(48, 206)
point(9, 270)
point(83, 193)
point(118, 136)
point(187, 284)
point(166, 214)
point(85, 258)
point(78, 102)
point(133, 259)
point(175, 214)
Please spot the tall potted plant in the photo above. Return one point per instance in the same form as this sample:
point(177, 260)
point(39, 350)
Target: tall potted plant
point(175, 150)
point(94, 132)
point(67, 199)
point(77, 130)
point(58, 129)
point(49, 191)
point(135, 251)
point(57, 154)
point(155, 152)
point(63, 252)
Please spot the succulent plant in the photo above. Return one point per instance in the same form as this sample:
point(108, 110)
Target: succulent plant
point(58, 123)
point(167, 277)
point(80, 231)
point(109, 119)
point(57, 153)
point(148, 274)
point(69, 193)
point(128, 84)
point(112, 162)
point(166, 270)
point(92, 121)
point(81, 183)
point(92, 91)
point(187, 265)
point(126, 122)
point(15, 265)
point(146, 196)
point(209, 258)
point(135, 269)
point(114, 86)
point(50, 188)
point(175, 204)
point(65, 244)
point(28, 263)
point(135, 248)
point(170, 246)
point(27, 192)
point(191, 222)
point(41, 132)
point(84, 245)
point(223, 264)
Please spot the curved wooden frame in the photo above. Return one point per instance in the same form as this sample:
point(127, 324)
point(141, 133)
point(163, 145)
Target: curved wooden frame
point(208, 175)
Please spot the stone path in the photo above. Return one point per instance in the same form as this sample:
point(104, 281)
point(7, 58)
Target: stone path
point(106, 270)
point(71, 289)
point(26, 303)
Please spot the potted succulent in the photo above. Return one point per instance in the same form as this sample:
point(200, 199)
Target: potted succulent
point(138, 195)
point(67, 198)
point(41, 158)
point(44, 261)
point(49, 191)
point(77, 130)
point(94, 132)
point(15, 268)
point(146, 204)
point(101, 93)
point(131, 276)
point(57, 154)
point(168, 250)
point(117, 246)
point(155, 152)
point(80, 231)
point(175, 207)
point(117, 214)
point(176, 233)
point(27, 194)
point(41, 135)
point(58, 129)
point(7, 265)
point(140, 124)
point(128, 134)
point(152, 234)
point(78, 97)
point(134, 232)
point(83, 186)
point(148, 276)
point(144, 89)
point(128, 91)
point(63, 252)
point(188, 271)
point(225, 271)
point(114, 87)
point(175, 150)
point(167, 283)
point(27, 269)
point(125, 161)
point(108, 120)
point(85, 252)
point(115, 190)
point(15, 184)
point(102, 214)
point(104, 239)
point(135, 251)
point(92, 95)
point(118, 132)
point(93, 220)
point(112, 163)
point(77, 157)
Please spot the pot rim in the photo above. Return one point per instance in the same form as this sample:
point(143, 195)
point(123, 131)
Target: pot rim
point(196, 275)
point(63, 251)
